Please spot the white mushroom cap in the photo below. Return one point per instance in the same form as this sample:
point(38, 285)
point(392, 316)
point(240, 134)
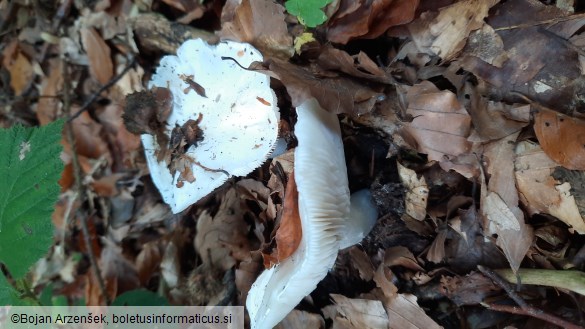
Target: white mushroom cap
point(239, 117)
point(324, 206)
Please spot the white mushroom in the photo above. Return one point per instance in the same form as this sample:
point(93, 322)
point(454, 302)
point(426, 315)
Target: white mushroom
point(237, 112)
point(324, 208)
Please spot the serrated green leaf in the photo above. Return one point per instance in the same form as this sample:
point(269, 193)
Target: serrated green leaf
point(309, 12)
point(7, 292)
point(30, 167)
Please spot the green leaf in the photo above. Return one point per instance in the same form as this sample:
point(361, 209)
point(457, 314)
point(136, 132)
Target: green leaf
point(140, 297)
point(30, 167)
point(309, 12)
point(7, 293)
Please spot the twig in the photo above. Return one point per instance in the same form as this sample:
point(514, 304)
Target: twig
point(524, 308)
point(546, 21)
point(79, 184)
point(533, 312)
point(105, 87)
point(505, 285)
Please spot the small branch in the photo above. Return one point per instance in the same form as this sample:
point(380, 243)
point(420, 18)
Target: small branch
point(546, 21)
point(505, 285)
point(533, 312)
point(77, 172)
point(105, 87)
point(570, 280)
point(524, 308)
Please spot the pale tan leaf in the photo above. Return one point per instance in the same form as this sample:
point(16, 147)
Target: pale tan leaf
point(444, 34)
point(402, 309)
point(361, 313)
point(417, 192)
point(540, 192)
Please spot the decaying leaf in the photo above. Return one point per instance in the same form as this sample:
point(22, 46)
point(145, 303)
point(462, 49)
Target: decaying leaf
point(98, 52)
point(540, 192)
point(561, 137)
point(260, 23)
point(402, 309)
point(19, 66)
point(500, 203)
point(417, 192)
point(440, 126)
point(444, 34)
point(368, 19)
point(336, 94)
point(221, 239)
point(468, 290)
point(533, 67)
point(289, 233)
point(360, 313)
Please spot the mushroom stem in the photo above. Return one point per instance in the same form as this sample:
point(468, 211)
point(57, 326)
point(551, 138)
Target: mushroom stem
point(324, 208)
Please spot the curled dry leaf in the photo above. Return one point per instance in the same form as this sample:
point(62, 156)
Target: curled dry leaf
point(417, 192)
point(368, 19)
point(289, 233)
point(561, 137)
point(539, 191)
point(444, 34)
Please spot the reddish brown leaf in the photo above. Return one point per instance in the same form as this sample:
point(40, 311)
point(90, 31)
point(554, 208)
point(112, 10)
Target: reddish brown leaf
point(289, 233)
point(336, 94)
point(368, 19)
point(561, 137)
point(98, 52)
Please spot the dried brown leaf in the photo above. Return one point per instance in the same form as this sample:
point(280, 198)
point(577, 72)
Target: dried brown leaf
point(440, 126)
point(561, 137)
point(540, 192)
point(289, 233)
point(499, 203)
point(401, 256)
point(260, 23)
point(417, 192)
point(402, 309)
point(471, 289)
point(301, 319)
point(444, 34)
point(360, 313)
point(222, 240)
point(368, 19)
point(336, 94)
point(98, 52)
point(19, 67)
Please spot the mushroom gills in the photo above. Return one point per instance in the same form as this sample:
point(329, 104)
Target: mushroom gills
point(324, 208)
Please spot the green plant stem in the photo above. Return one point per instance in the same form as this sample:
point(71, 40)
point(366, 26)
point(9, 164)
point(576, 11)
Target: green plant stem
point(569, 280)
